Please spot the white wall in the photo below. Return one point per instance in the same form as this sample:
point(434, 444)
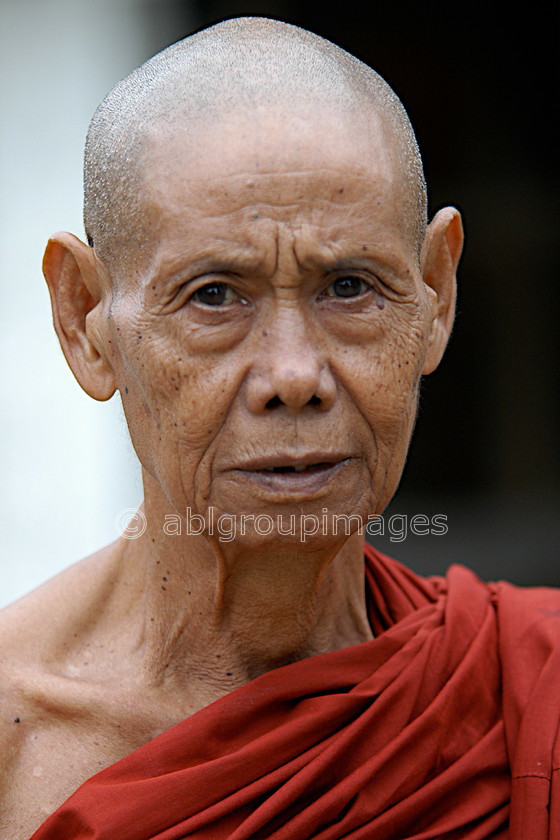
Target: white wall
point(66, 467)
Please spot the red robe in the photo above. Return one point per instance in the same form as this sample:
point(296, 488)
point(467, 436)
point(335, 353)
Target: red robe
point(444, 726)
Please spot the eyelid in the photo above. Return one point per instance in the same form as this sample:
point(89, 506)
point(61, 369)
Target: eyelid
point(211, 279)
point(183, 290)
point(199, 281)
point(371, 282)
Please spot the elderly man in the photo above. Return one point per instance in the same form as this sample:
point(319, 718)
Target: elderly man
point(261, 287)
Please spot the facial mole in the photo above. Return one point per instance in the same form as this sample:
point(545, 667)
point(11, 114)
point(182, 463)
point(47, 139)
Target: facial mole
point(380, 303)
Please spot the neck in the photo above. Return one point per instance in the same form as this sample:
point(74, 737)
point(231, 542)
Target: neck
point(218, 614)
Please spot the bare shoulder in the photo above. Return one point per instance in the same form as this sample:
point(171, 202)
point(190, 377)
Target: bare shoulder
point(35, 626)
point(40, 637)
point(43, 632)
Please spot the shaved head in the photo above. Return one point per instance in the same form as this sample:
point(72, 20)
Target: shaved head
point(238, 66)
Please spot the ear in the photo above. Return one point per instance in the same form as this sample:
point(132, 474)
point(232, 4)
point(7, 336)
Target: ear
point(71, 272)
point(441, 251)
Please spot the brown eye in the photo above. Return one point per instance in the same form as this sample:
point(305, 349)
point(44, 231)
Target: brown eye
point(216, 294)
point(349, 286)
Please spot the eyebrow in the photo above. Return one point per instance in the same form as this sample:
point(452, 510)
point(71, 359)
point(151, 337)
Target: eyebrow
point(354, 257)
point(228, 255)
point(208, 261)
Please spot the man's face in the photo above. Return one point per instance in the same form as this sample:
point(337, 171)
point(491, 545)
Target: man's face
point(268, 347)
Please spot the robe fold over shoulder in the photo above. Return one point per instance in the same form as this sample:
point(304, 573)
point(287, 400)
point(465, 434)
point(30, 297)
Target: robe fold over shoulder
point(444, 726)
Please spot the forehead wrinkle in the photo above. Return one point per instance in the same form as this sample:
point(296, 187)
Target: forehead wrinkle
point(329, 256)
point(192, 208)
point(253, 178)
point(208, 259)
point(253, 216)
point(259, 173)
point(251, 64)
point(239, 207)
point(338, 182)
point(329, 248)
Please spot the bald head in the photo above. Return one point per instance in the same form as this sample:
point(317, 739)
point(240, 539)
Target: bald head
point(240, 65)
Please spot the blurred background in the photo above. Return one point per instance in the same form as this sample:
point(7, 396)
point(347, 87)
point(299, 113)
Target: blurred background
point(481, 90)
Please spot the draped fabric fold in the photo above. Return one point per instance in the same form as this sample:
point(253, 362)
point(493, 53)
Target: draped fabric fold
point(404, 737)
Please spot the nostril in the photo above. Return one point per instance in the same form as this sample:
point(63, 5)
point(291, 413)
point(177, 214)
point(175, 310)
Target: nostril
point(275, 402)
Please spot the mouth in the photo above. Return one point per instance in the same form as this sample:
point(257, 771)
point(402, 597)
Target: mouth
point(285, 463)
point(299, 468)
point(301, 477)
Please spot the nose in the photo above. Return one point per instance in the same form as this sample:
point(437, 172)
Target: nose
point(290, 367)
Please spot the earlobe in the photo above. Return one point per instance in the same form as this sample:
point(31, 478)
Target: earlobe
point(440, 257)
point(70, 270)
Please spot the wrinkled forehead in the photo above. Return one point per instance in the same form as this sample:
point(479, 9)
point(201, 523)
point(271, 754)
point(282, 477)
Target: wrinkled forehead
point(268, 148)
point(296, 158)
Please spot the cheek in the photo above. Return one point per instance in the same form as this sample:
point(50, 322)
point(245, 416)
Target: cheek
point(175, 403)
point(381, 377)
point(382, 372)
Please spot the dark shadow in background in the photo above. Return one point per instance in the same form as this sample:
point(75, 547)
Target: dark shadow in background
point(480, 88)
